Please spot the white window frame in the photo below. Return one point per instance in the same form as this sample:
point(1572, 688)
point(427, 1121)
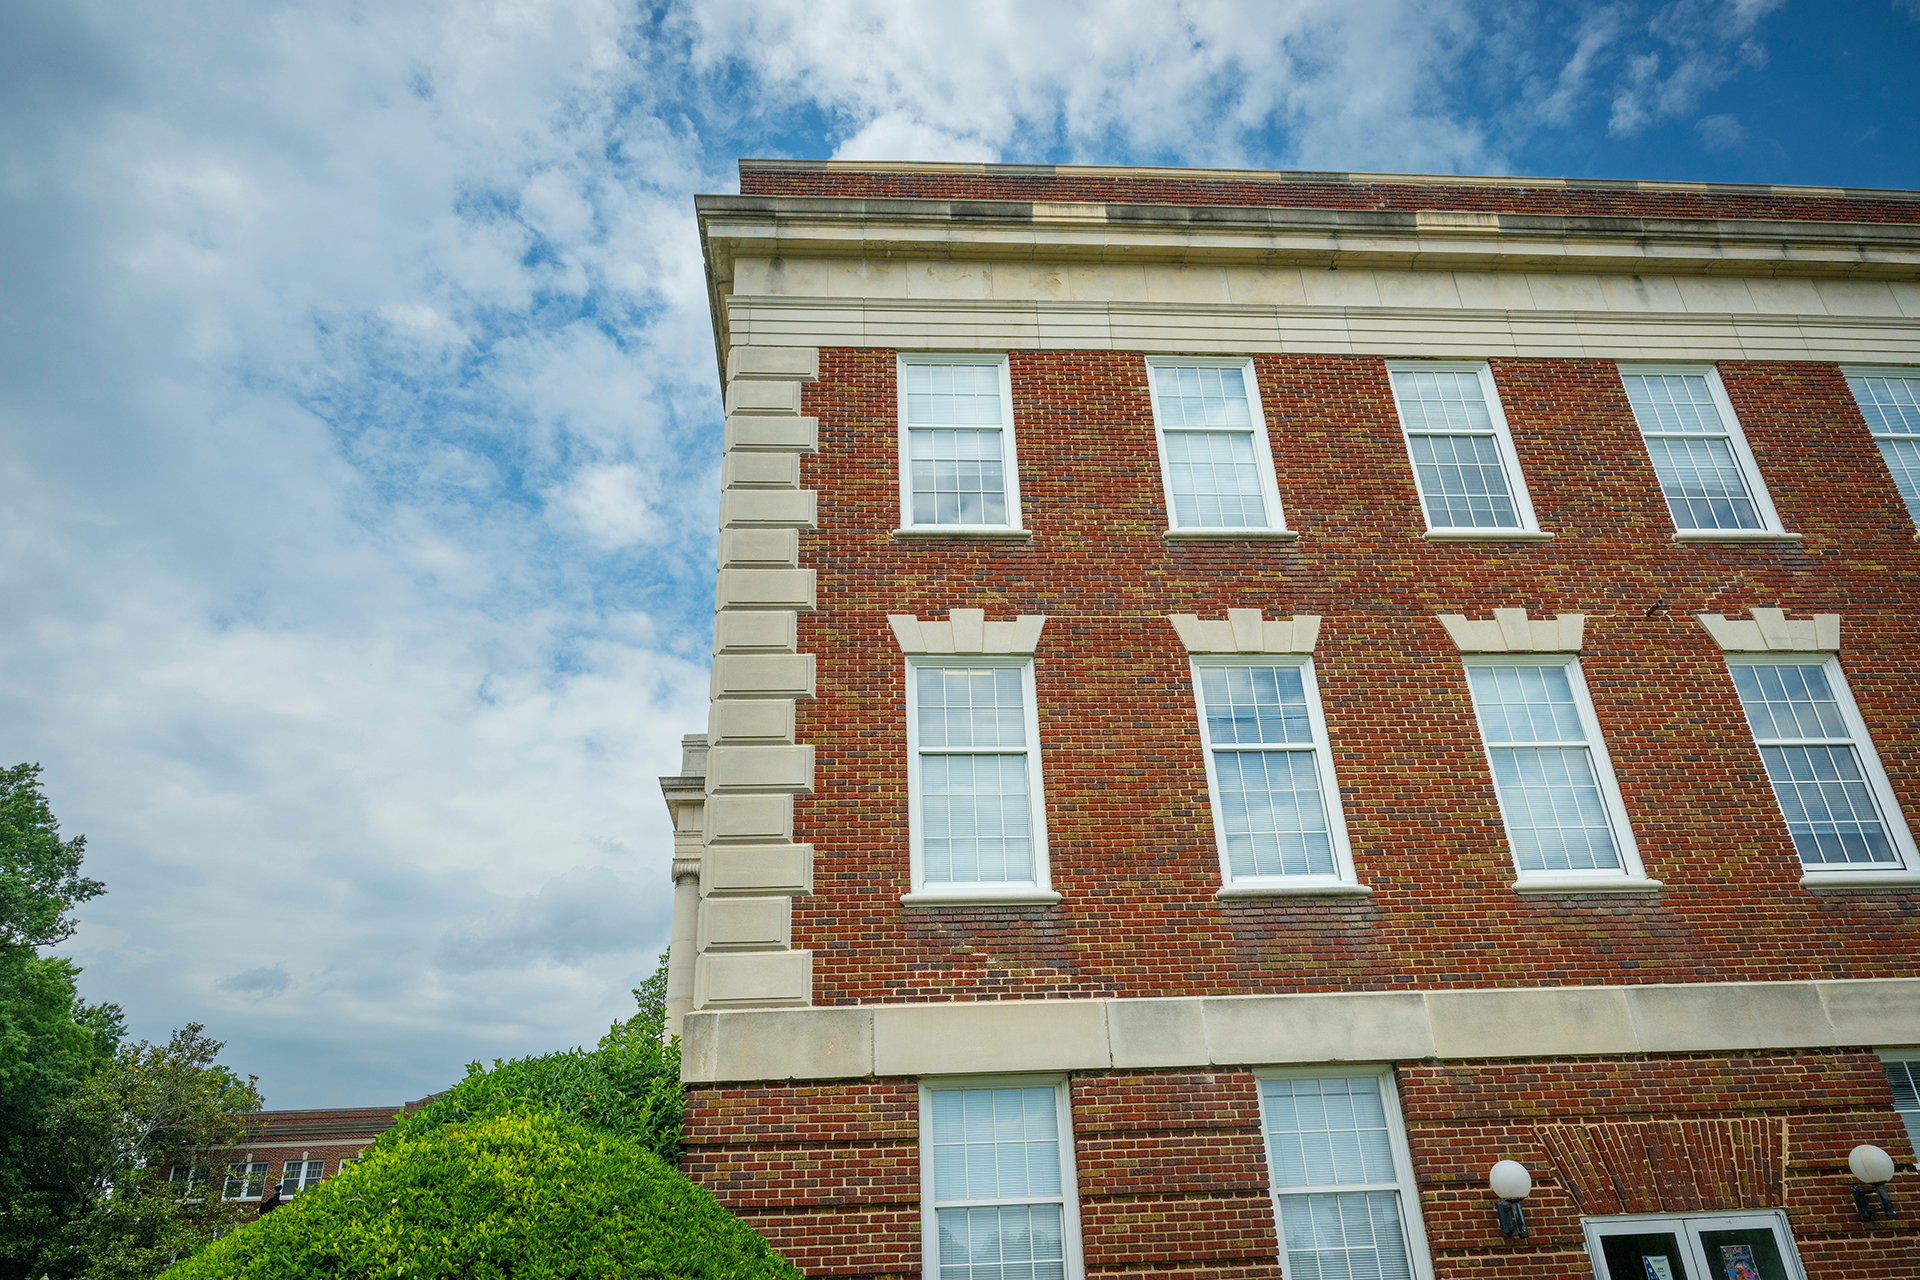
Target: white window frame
point(1343, 877)
point(1862, 742)
point(1770, 526)
point(1630, 873)
point(1908, 372)
point(245, 1179)
point(1503, 444)
point(1686, 1227)
point(1276, 521)
point(1910, 1057)
point(1069, 1185)
point(1010, 460)
point(1396, 1135)
point(305, 1184)
point(1040, 888)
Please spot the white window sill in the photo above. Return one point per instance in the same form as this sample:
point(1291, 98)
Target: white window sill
point(964, 533)
point(1236, 892)
point(1888, 880)
point(982, 897)
point(1487, 535)
point(1590, 884)
point(1733, 535)
point(1230, 535)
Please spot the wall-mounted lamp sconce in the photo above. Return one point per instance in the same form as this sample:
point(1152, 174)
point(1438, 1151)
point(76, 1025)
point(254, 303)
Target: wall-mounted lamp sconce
point(1511, 1183)
point(1873, 1167)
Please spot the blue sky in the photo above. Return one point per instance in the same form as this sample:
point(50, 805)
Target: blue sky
point(358, 421)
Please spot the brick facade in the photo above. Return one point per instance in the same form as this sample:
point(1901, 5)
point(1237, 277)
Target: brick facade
point(1171, 1166)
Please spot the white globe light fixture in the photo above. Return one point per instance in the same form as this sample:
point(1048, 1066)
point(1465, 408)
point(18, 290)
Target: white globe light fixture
point(1511, 1183)
point(1874, 1168)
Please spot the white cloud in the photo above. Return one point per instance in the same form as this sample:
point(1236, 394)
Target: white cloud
point(611, 504)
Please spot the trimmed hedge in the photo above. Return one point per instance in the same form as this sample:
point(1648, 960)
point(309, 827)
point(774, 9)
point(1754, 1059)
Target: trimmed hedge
point(526, 1197)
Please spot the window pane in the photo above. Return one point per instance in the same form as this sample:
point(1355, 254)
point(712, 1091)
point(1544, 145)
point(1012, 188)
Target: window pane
point(1013, 1242)
point(1790, 703)
point(1673, 402)
point(953, 394)
point(1702, 483)
point(1271, 814)
point(1247, 706)
point(1891, 406)
point(1215, 479)
point(981, 708)
point(1327, 1132)
point(957, 477)
point(1526, 704)
point(1555, 818)
point(991, 1144)
point(1905, 1079)
point(977, 820)
point(1202, 397)
point(1441, 401)
point(1829, 810)
point(1463, 482)
point(1352, 1236)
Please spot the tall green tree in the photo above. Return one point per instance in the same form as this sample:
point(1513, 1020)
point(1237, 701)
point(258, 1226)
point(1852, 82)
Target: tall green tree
point(40, 880)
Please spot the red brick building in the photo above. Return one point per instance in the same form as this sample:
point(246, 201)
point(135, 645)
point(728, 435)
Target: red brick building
point(1243, 699)
point(297, 1150)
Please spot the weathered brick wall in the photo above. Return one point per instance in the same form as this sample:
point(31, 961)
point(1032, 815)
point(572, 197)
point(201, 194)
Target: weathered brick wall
point(1173, 1182)
point(1129, 828)
point(1599, 199)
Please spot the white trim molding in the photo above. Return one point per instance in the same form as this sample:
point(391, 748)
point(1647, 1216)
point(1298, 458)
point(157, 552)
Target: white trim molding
point(967, 631)
point(1771, 631)
point(1245, 631)
point(1468, 1024)
point(1511, 631)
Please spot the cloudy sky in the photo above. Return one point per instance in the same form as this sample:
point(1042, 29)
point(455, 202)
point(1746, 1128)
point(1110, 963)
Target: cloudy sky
point(359, 420)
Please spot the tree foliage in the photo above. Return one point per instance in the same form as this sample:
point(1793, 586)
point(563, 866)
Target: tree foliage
point(40, 880)
point(527, 1196)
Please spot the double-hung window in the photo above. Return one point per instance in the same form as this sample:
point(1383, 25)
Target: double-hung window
point(300, 1175)
point(1342, 1182)
point(1464, 465)
point(1825, 774)
point(1889, 399)
point(977, 815)
point(246, 1180)
point(1706, 472)
point(957, 466)
point(1562, 809)
point(996, 1181)
point(1903, 1076)
point(1214, 455)
point(1276, 808)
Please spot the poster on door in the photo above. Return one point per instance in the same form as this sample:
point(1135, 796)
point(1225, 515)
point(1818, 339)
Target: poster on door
point(1658, 1268)
point(1736, 1262)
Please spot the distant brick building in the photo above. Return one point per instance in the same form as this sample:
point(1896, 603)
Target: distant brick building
point(1243, 699)
point(300, 1149)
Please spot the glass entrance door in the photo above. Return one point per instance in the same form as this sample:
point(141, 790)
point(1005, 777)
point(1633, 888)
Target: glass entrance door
point(1693, 1246)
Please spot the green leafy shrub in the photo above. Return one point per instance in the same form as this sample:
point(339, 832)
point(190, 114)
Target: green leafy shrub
point(628, 1087)
point(531, 1197)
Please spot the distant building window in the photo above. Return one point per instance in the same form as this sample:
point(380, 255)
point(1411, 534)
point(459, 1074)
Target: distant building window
point(245, 1181)
point(1464, 466)
point(1890, 402)
point(1215, 458)
point(1342, 1183)
point(1835, 798)
point(956, 443)
point(1276, 808)
point(997, 1181)
point(1558, 799)
point(1903, 1074)
point(347, 1162)
point(1706, 472)
point(977, 812)
point(299, 1175)
point(185, 1180)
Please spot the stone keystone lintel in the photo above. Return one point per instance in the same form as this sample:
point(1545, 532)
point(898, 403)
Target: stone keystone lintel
point(967, 631)
point(1511, 631)
point(1245, 631)
point(1771, 630)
